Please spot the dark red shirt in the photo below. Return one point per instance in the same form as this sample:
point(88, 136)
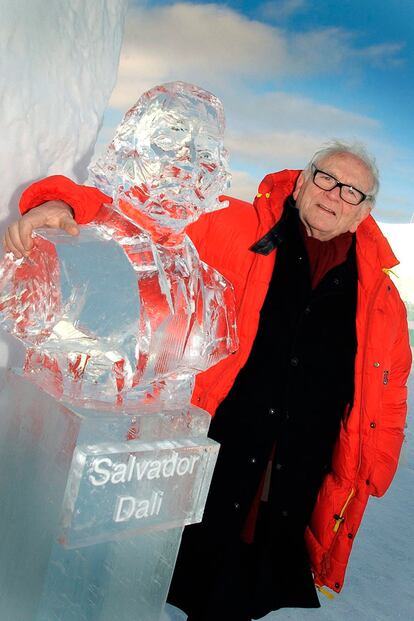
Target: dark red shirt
point(325, 255)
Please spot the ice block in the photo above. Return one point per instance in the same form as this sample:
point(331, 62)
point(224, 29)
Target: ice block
point(93, 505)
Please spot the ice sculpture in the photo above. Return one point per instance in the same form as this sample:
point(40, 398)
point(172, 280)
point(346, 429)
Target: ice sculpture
point(117, 323)
point(137, 316)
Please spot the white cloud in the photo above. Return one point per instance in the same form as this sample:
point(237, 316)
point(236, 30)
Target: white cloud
point(286, 149)
point(235, 57)
point(395, 202)
point(243, 185)
point(390, 213)
point(215, 45)
point(284, 110)
point(280, 10)
point(205, 43)
point(383, 55)
point(288, 129)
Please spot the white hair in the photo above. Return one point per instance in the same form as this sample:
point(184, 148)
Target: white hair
point(335, 147)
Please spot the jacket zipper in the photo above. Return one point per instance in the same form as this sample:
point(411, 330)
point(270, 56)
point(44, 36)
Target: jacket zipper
point(381, 280)
point(340, 518)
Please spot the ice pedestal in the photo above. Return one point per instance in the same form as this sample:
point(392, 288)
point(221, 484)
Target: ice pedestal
point(93, 505)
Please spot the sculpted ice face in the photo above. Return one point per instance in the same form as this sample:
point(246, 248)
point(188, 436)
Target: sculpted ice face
point(167, 159)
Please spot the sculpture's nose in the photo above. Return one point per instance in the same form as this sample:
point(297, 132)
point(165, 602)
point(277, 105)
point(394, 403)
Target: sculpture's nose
point(192, 152)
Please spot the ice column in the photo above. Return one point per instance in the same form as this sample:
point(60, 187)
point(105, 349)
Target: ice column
point(58, 65)
point(93, 505)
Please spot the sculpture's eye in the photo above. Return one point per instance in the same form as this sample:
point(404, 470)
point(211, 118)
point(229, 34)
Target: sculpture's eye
point(205, 156)
point(169, 140)
point(170, 136)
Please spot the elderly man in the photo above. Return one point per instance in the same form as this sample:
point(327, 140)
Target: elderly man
point(310, 411)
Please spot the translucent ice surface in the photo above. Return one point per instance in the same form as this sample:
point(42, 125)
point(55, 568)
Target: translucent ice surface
point(59, 63)
point(105, 322)
point(167, 160)
point(127, 311)
point(77, 544)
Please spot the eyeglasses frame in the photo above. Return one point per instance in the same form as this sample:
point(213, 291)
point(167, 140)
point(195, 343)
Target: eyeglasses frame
point(339, 185)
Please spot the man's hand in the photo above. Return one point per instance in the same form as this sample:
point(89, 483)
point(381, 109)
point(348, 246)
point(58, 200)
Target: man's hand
point(52, 214)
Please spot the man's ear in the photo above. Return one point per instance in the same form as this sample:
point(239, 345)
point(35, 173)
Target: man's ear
point(364, 213)
point(299, 183)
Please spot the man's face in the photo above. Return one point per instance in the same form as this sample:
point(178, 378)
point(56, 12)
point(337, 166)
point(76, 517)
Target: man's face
point(324, 213)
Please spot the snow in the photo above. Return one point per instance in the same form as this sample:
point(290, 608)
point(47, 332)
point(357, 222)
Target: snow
point(58, 65)
point(401, 239)
point(379, 584)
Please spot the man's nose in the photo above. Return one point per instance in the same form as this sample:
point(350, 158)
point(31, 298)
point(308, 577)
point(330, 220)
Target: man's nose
point(334, 194)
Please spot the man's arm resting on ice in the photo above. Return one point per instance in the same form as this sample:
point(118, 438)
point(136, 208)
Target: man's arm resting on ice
point(54, 202)
point(52, 214)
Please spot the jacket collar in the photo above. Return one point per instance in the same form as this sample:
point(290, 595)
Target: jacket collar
point(368, 235)
point(271, 195)
point(275, 188)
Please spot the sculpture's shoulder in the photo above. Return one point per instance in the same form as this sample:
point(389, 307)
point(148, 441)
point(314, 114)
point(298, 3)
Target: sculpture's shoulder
point(226, 230)
point(113, 224)
point(239, 214)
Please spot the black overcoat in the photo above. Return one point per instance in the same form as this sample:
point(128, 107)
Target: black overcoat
point(290, 396)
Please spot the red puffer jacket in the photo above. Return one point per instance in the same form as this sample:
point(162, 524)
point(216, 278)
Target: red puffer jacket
point(368, 447)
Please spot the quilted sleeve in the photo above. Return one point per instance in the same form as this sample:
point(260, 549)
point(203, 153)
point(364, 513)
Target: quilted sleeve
point(85, 201)
point(391, 429)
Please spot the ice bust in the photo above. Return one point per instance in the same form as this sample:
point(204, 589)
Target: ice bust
point(136, 317)
point(106, 458)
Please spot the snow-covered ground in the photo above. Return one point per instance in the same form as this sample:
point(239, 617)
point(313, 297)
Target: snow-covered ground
point(380, 579)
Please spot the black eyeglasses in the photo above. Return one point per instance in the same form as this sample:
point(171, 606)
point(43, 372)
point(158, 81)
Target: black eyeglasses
point(348, 193)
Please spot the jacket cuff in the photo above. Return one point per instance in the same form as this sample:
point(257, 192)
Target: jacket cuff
point(85, 201)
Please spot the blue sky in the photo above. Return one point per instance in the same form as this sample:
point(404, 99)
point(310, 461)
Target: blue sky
point(291, 74)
